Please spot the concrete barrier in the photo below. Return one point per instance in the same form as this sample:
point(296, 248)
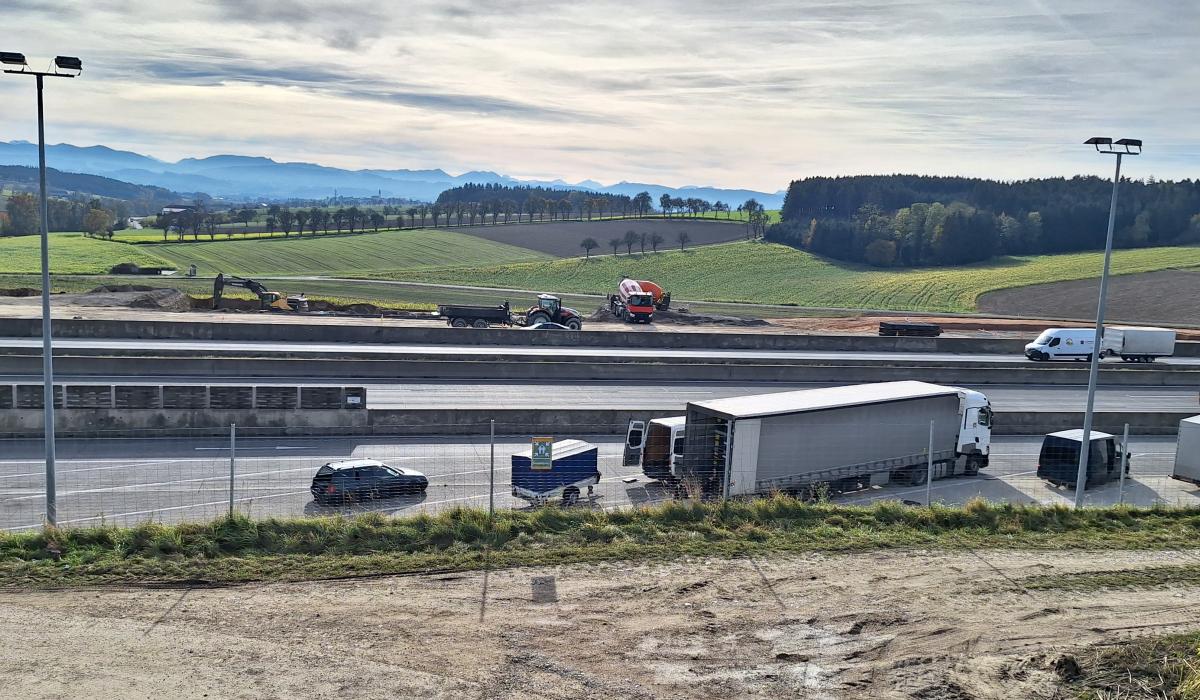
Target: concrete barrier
point(468, 422)
point(436, 335)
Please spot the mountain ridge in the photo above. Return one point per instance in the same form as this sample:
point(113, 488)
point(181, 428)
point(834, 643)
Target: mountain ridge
point(232, 176)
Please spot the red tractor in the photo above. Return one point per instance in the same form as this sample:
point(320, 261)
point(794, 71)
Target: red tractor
point(549, 309)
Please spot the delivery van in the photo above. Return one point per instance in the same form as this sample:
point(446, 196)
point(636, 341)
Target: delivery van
point(1062, 344)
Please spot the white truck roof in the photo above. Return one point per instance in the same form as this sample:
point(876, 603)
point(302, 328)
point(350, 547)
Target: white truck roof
point(1076, 435)
point(786, 402)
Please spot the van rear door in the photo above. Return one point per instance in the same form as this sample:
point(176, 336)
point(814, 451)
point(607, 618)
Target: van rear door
point(635, 440)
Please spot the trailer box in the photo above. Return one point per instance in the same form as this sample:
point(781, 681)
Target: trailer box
point(1135, 344)
point(789, 440)
point(1187, 453)
point(573, 467)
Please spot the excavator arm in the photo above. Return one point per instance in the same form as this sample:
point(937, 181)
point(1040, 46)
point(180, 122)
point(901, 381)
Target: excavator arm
point(266, 297)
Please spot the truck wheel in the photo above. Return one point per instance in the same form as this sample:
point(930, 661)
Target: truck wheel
point(570, 496)
point(458, 322)
point(918, 475)
point(972, 467)
point(479, 323)
point(574, 324)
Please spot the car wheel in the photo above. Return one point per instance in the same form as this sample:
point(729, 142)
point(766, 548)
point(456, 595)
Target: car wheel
point(570, 496)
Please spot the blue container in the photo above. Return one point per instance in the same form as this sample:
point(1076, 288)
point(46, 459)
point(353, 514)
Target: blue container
point(574, 467)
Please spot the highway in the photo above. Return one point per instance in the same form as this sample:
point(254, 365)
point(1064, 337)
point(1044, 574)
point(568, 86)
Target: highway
point(621, 395)
point(126, 481)
point(200, 348)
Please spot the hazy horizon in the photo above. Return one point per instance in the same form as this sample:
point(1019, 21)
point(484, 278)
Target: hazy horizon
point(707, 93)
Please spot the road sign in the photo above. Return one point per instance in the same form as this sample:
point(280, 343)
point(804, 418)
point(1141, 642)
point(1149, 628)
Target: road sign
point(542, 454)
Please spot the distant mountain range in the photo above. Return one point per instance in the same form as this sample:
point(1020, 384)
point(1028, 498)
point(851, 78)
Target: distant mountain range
point(141, 199)
point(247, 177)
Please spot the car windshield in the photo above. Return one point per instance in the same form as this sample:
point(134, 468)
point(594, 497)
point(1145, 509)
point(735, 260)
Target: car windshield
point(1043, 338)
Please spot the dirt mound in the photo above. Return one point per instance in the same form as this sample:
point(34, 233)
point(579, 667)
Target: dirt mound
point(683, 317)
point(20, 292)
point(137, 297)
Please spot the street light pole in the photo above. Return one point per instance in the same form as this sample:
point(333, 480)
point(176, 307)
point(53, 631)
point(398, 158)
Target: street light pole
point(1094, 368)
point(72, 67)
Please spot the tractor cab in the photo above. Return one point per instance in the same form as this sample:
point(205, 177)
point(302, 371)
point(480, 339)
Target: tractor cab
point(550, 304)
point(549, 309)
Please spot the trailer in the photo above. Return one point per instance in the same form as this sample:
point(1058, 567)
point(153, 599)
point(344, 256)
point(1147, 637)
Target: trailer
point(1137, 344)
point(1187, 453)
point(573, 467)
point(461, 316)
point(845, 438)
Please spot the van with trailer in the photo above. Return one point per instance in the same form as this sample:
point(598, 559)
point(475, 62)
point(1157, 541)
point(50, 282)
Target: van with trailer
point(1058, 461)
point(1187, 452)
point(846, 437)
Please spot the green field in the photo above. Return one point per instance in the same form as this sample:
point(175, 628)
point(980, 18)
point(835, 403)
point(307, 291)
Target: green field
point(350, 255)
point(774, 274)
point(72, 253)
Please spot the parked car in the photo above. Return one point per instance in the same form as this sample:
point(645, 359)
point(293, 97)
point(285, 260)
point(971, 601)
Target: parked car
point(359, 479)
point(546, 326)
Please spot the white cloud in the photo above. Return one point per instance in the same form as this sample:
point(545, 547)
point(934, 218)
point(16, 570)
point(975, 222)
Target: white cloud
point(733, 94)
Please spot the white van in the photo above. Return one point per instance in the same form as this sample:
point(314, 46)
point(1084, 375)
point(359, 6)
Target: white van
point(656, 445)
point(1063, 344)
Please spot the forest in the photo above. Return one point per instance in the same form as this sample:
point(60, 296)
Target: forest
point(911, 220)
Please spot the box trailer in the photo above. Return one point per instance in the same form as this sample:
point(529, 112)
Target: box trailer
point(573, 466)
point(1187, 453)
point(847, 437)
point(1138, 344)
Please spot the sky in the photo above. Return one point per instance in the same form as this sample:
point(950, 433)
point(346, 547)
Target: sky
point(676, 92)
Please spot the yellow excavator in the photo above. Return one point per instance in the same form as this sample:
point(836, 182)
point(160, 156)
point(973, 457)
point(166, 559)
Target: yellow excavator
point(267, 300)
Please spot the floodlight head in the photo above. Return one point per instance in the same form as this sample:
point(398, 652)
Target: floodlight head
point(10, 58)
point(1132, 146)
point(70, 63)
point(1099, 141)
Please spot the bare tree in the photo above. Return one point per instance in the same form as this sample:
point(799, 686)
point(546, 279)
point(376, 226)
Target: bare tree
point(629, 240)
point(683, 239)
point(615, 243)
point(656, 239)
point(588, 245)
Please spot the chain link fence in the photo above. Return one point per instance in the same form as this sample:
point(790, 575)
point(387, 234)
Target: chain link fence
point(175, 476)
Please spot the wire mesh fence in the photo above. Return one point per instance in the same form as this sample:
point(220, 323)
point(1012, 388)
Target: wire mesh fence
point(174, 476)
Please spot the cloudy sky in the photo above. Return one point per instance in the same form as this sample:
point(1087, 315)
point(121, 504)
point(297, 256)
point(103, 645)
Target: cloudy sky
point(736, 94)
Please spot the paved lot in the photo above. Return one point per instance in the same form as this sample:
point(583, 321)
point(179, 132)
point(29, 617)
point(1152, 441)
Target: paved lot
point(128, 481)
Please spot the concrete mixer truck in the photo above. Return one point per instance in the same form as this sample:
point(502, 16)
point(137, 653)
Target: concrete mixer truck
point(631, 303)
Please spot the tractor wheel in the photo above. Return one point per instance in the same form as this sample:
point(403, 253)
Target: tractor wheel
point(536, 319)
point(574, 324)
point(479, 323)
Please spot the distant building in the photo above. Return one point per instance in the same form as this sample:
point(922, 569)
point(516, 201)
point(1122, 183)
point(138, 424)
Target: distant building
point(176, 209)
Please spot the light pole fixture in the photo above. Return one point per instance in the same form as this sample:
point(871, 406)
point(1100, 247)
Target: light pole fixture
point(60, 67)
point(1119, 148)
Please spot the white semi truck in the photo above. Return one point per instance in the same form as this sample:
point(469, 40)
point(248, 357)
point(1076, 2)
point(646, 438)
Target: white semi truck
point(847, 437)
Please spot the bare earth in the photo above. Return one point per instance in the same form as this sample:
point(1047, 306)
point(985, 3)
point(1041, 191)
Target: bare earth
point(1164, 297)
point(925, 625)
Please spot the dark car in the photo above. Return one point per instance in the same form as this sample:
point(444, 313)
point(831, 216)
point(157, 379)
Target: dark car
point(1058, 462)
point(359, 479)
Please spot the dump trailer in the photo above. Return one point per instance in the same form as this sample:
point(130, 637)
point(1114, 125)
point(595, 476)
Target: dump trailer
point(461, 316)
point(1134, 344)
point(1187, 453)
point(845, 437)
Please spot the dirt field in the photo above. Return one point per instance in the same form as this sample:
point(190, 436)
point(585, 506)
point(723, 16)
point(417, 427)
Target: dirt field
point(562, 238)
point(936, 626)
point(1165, 297)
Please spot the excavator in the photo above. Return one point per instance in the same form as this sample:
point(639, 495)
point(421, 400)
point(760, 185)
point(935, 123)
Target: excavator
point(267, 300)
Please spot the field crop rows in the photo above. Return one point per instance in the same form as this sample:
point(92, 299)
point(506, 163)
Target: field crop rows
point(774, 274)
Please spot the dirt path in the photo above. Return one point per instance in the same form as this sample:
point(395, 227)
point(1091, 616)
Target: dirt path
point(885, 625)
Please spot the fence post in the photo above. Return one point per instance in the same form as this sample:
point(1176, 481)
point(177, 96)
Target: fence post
point(232, 462)
point(929, 473)
point(1124, 462)
point(492, 473)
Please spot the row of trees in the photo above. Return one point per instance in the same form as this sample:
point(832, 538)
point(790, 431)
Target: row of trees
point(632, 238)
point(199, 220)
point(95, 217)
point(946, 221)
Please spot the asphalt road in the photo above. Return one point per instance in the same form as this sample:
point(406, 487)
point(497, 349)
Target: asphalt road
point(399, 351)
point(127, 481)
point(600, 395)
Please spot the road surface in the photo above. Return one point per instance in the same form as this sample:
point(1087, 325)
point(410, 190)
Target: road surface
point(126, 481)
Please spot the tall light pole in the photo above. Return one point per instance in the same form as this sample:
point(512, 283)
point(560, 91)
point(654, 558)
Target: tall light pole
point(60, 67)
point(1119, 148)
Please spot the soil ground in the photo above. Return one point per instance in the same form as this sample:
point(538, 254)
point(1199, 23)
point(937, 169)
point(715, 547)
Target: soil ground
point(562, 238)
point(929, 625)
point(1166, 297)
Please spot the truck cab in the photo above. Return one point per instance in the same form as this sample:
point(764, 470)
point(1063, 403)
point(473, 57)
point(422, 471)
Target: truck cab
point(657, 445)
point(975, 436)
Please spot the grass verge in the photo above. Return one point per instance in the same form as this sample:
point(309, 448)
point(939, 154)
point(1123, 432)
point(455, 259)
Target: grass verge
point(1150, 577)
point(1161, 668)
point(239, 549)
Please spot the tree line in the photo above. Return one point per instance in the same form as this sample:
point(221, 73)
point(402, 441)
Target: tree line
point(95, 217)
point(910, 220)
